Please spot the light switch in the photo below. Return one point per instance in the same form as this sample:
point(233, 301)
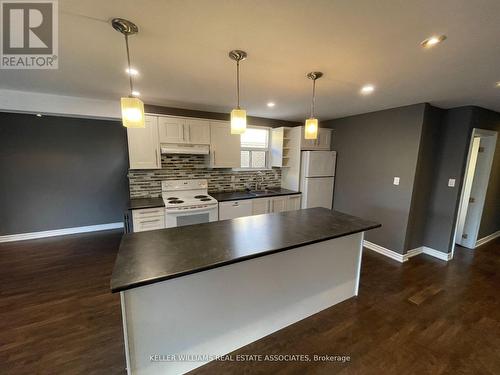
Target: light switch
point(396, 181)
point(451, 182)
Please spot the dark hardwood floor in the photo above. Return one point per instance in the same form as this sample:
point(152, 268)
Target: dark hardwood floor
point(57, 315)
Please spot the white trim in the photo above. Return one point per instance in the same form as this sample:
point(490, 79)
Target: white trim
point(437, 254)
point(59, 232)
point(125, 334)
point(384, 251)
point(409, 254)
point(358, 268)
point(488, 238)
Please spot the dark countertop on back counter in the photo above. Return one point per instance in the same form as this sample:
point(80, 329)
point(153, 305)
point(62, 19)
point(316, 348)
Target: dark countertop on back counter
point(149, 257)
point(241, 195)
point(138, 203)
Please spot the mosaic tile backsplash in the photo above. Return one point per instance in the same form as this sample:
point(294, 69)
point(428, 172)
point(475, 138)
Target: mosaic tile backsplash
point(147, 183)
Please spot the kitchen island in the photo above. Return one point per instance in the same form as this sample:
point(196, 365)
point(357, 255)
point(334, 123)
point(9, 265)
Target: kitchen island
point(204, 290)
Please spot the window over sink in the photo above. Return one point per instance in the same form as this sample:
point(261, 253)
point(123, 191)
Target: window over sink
point(255, 148)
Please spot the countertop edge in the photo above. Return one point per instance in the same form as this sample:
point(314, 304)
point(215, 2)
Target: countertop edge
point(236, 260)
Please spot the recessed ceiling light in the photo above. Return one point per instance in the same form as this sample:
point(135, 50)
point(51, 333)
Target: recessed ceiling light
point(497, 84)
point(136, 93)
point(38, 115)
point(433, 40)
point(367, 89)
point(271, 104)
point(132, 71)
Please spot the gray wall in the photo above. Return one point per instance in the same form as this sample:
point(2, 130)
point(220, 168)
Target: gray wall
point(60, 172)
point(458, 124)
point(372, 149)
point(425, 176)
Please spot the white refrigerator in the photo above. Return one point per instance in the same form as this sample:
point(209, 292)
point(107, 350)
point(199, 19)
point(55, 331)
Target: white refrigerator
point(317, 175)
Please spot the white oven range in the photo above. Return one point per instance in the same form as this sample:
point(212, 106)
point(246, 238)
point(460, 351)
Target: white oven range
point(187, 202)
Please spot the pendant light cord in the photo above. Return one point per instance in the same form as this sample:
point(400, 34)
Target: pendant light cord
point(313, 98)
point(129, 71)
point(238, 83)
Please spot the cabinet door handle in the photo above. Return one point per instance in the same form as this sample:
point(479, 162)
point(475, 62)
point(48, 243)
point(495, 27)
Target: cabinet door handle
point(156, 156)
point(150, 221)
point(183, 132)
point(214, 157)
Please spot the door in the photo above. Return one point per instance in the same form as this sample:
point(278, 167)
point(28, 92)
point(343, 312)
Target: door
point(478, 170)
point(235, 209)
point(324, 139)
point(171, 130)
point(260, 206)
point(198, 131)
point(317, 192)
point(224, 146)
point(280, 204)
point(293, 202)
point(143, 145)
point(318, 163)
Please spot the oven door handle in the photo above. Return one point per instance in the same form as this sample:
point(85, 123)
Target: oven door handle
point(191, 210)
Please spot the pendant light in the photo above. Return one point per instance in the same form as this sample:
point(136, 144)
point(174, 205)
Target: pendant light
point(311, 125)
point(238, 115)
point(132, 107)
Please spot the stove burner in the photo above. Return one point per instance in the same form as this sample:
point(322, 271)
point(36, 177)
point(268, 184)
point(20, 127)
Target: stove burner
point(172, 198)
point(205, 199)
point(175, 201)
point(200, 196)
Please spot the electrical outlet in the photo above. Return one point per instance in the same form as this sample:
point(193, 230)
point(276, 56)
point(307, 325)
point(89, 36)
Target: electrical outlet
point(396, 181)
point(451, 182)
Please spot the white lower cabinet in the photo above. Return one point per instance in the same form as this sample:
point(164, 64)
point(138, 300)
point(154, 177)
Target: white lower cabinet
point(279, 204)
point(148, 219)
point(294, 202)
point(234, 209)
point(261, 206)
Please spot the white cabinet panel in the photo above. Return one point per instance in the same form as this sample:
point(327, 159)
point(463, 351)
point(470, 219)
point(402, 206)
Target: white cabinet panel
point(171, 130)
point(143, 145)
point(224, 146)
point(261, 206)
point(280, 204)
point(293, 202)
point(148, 219)
point(198, 131)
point(234, 209)
point(323, 142)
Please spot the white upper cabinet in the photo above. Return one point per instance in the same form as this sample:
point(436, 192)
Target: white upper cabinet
point(183, 131)
point(323, 142)
point(198, 131)
point(171, 130)
point(224, 146)
point(143, 145)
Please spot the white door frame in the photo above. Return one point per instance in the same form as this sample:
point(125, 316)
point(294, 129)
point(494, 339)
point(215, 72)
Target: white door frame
point(462, 210)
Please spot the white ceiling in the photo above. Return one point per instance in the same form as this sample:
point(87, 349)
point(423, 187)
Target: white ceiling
point(181, 53)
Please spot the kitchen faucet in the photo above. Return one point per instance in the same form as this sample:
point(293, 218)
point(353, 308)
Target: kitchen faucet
point(257, 186)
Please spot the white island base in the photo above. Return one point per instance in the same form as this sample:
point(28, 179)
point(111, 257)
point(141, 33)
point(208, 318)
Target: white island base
point(217, 311)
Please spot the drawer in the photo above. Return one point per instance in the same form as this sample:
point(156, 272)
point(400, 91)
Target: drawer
point(234, 209)
point(149, 223)
point(148, 212)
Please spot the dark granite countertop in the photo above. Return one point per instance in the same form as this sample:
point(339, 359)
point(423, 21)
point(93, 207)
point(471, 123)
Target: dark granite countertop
point(240, 195)
point(149, 257)
point(138, 203)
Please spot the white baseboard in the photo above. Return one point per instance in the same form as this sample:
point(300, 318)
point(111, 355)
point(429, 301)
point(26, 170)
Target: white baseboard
point(409, 254)
point(384, 251)
point(488, 238)
point(436, 254)
point(59, 232)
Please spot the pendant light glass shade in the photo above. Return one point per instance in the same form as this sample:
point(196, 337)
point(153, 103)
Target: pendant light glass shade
point(133, 113)
point(311, 128)
point(311, 124)
point(238, 121)
point(238, 115)
point(132, 107)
